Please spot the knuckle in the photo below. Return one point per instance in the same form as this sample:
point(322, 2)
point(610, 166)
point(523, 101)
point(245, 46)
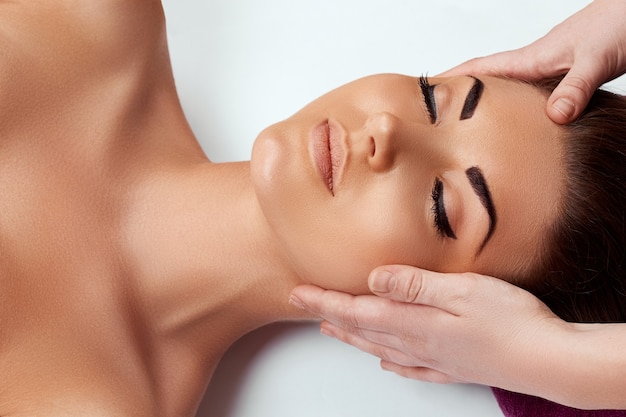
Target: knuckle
point(411, 332)
point(383, 354)
point(425, 374)
point(394, 356)
point(440, 378)
point(348, 317)
point(577, 86)
point(465, 290)
point(413, 286)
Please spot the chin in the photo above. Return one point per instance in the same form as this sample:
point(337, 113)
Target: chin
point(290, 193)
point(265, 157)
point(276, 177)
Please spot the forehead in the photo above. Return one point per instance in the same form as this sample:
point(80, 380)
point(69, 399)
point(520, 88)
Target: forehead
point(524, 167)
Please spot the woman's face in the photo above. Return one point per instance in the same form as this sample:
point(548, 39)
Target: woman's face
point(450, 174)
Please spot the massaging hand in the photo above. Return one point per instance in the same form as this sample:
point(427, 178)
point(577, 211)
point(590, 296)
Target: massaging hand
point(590, 47)
point(442, 327)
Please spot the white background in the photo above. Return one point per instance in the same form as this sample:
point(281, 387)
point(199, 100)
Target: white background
point(241, 65)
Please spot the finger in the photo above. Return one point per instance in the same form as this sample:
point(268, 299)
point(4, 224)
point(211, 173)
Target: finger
point(571, 96)
point(363, 311)
point(407, 284)
point(348, 334)
point(418, 373)
point(367, 341)
point(495, 64)
point(515, 64)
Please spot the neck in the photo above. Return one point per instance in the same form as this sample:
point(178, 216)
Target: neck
point(208, 267)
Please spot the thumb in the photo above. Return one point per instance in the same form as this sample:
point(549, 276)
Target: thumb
point(451, 292)
point(571, 96)
point(399, 283)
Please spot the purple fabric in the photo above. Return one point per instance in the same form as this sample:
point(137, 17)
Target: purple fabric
point(520, 405)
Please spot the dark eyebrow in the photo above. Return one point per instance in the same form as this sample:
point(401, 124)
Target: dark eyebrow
point(477, 180)
point(472, 99)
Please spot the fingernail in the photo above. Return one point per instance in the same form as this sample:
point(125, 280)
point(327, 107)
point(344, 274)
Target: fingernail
point(382, 281)
point(296, 302)
point(565, 107)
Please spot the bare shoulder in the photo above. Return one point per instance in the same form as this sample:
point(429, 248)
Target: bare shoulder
point(67, 413)
point(62, 411)
point(50, 48)
point(79, 26)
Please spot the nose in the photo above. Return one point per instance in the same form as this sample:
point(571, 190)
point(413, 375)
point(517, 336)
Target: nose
point(381, 128)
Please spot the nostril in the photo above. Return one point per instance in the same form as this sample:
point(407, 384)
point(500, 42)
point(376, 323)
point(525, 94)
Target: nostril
point(372, 147)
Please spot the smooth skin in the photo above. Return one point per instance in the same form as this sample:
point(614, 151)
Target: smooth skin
point(381, 208)
point(479, 329)
point(118, 290)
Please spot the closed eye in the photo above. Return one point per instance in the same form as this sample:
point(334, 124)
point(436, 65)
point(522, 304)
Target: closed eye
point(441, 222)
point(428, 92)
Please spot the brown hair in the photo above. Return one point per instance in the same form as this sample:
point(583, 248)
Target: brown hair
point(582, 275)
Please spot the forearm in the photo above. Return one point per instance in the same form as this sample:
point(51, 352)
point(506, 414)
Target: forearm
point(585, 367)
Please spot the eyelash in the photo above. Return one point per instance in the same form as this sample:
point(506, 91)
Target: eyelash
point(428, 92)
point(441, 222)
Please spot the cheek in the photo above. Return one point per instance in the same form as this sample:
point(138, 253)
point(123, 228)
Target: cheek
point(336, 242)
point(382, 228)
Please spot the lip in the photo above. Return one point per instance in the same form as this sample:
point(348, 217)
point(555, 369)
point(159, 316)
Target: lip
point(326, 148)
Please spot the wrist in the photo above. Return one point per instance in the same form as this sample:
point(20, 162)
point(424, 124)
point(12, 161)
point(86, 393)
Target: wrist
point(560, 367)
point(583, 365)
point(544, 369)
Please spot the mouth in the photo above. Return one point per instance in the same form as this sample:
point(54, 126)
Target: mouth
point(327, 151)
